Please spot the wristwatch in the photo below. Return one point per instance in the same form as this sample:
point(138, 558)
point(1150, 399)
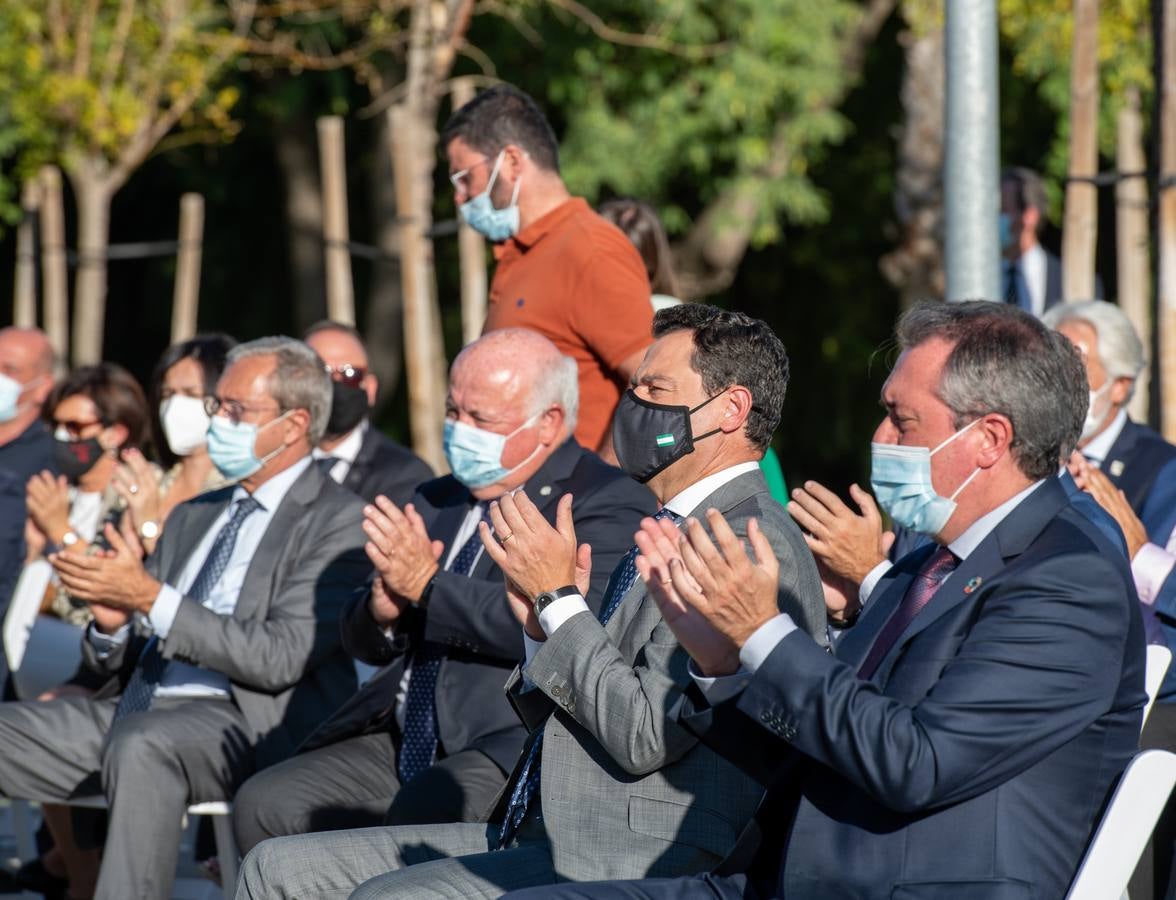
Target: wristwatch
point(149, 530)
point(545, 599)
point(69, 538)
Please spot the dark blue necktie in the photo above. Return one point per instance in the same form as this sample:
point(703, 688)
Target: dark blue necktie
point(140, 689)
point(418, 749)
point(527, 784)
point(1016, 289)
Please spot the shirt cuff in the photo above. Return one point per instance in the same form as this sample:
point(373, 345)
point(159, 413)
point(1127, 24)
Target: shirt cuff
point(763, 641)
point(164, 609)
point(559, 611)
point(105, 644)
point(724, 687)
point(871, 580)
point(1150, 568)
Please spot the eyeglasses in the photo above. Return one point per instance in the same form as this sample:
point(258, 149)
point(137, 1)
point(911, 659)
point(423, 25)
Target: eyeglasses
point(233, 410)
point(458, 179)
point(75, 428)
point(346, 374)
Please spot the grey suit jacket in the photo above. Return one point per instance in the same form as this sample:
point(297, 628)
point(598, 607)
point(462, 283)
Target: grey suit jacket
point(626, 791)
point(280, 648)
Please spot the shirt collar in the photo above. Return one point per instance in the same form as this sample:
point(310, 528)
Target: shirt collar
point(348, 448)
point(545, 224)
point(270, 494)
point(963, 546)
point(1097, 449)
point(687, 501)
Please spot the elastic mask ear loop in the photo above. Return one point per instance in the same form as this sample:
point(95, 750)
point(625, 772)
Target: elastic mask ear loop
point(948, 440)
point(967, 481)
point(696, 438)
point(265, 459)
point(494, 173)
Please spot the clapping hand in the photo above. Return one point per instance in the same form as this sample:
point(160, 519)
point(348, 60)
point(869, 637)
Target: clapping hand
point(47, 500)
point(135, 483)
point(401, 550)
point(1113, 500)
point(715, 596)
point(113, 581)
point(534, 556)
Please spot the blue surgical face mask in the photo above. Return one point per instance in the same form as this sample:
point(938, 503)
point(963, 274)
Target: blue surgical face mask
point(493, 224)
point(10, 391)
point(232, 447)
point(1005, 226)
point(475, 455)
point(901, 478)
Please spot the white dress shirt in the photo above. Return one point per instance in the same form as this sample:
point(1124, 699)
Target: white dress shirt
point(684, 504)
point(1098, 448)
point(764, 640)
point(344, 453)
point(469, 527)
point(183, 679)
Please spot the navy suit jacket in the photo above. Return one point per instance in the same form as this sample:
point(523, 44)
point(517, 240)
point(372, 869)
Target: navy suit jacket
point(382, 466)
point(976, 760)
point(468, 616)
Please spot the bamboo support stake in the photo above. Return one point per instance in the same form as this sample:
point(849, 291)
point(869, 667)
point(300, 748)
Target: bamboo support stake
point(1167, 223)
point(412, 167)
point(336, 233)
point(1080, 228)
point(24, 298)
point(471, 249)
point(186, 299)
point(54, 274)
point(1131, 231)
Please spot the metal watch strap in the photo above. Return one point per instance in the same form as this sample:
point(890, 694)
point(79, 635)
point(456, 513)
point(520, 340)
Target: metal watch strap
point(545, 599)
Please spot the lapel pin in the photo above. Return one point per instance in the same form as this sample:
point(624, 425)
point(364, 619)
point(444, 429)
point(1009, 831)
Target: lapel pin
point(545, 490)
point(1116, 468)
point(973, 584)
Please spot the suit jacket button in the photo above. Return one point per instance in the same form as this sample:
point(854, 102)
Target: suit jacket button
point(556, 691)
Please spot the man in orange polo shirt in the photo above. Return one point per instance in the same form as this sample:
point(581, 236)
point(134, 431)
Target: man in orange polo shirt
point(562, 269)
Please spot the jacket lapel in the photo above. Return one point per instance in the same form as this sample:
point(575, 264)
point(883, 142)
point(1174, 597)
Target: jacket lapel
point(363, 460)
point(1008, 540)
point(259, 576)
point(853, 646)
point(200, 514)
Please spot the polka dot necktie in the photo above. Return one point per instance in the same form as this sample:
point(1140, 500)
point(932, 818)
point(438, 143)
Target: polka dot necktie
point(527, 784)
point(418, 748)
point(140, 689)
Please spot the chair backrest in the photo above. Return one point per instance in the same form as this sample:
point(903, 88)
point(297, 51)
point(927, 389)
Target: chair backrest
point(1126, 827)
point(23, 609)
point(1159, 658)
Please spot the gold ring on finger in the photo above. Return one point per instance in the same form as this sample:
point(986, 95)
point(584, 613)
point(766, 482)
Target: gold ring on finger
point(505, 538)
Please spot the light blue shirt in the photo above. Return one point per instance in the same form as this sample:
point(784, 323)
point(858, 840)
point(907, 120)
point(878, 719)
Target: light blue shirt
point(183, 679)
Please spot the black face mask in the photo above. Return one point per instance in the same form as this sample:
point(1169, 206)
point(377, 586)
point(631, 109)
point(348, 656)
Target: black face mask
point(349, 405)
point(75, 458)
point(649, 437)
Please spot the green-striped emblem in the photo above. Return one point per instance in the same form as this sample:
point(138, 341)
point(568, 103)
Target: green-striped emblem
point(665, 440)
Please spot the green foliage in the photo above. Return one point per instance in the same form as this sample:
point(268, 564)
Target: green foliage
point(1041, 36)
point(96, 81)
point(699, 104)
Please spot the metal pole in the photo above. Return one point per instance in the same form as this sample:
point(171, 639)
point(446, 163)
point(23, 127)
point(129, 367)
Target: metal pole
point(972, 150)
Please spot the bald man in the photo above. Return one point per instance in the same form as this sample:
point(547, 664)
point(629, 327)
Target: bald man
point(26, 445)
point(355, 454)
point(432, 737)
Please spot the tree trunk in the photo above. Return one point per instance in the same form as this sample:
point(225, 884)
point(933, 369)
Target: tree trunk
point(1081, 219)
point(471, 249)
point(1167, 219)
point(708, 257)
point(385, 308)
point(413, 145)
point(915, 268)
point(24, 305)
point(93, 195)
point(1131, 234)
point(54, 271)
point(336, 228)
point(294, 146)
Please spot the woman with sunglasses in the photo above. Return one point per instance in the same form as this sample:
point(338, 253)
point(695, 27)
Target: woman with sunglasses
point(185, 375)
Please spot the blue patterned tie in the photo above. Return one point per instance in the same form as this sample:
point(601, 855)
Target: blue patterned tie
point(418, 749)
point(527, 784)
point(140, 689)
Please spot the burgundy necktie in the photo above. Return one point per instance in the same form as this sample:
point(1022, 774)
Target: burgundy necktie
point(933, 573)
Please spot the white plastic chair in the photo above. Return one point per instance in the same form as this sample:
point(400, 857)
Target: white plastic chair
point(1126, 827)
point(42, 651)
point(1159, 658)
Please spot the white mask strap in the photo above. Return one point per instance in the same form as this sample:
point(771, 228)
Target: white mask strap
point(954, 436)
